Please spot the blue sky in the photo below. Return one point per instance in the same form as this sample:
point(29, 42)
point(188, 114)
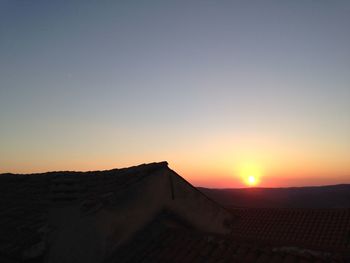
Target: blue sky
point(96, 85)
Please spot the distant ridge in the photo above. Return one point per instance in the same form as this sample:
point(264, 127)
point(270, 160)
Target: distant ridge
point(329, 196)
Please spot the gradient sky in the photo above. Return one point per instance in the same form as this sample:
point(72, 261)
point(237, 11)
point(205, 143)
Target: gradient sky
point(209, 86)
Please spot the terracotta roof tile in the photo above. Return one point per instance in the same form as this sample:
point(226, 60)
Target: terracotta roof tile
point(324, 229)
point(185, 245)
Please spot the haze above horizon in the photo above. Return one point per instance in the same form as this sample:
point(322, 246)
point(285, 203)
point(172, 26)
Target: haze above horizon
point(222, 90)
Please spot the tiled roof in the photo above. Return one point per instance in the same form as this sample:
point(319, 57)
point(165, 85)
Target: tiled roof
point(159, 243)
point(259, 235)
point(322, 229)
point(70, 186)
point(25, 200)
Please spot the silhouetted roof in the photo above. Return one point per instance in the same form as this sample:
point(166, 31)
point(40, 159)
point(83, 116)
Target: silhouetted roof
point(259, 235)
point(161, 243)
point(26, 198)
point(321, 229)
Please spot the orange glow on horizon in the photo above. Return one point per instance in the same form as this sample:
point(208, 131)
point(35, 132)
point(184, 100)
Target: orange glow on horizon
point(251, 174)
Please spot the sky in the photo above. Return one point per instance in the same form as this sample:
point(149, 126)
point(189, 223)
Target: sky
point(219, 89)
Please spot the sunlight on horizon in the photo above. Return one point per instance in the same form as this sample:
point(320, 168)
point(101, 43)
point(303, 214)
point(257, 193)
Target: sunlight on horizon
point(251, 174)
point(252, 180)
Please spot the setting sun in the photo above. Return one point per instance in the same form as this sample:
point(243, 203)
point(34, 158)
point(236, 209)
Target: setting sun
point(250, 174)
point(251, 180)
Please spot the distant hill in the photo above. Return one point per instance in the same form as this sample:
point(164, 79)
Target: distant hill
point(332, 196)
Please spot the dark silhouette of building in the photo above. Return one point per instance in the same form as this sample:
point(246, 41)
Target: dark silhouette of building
point(148, 213)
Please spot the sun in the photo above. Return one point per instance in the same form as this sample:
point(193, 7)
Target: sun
point(251, 180)
point(250, 174)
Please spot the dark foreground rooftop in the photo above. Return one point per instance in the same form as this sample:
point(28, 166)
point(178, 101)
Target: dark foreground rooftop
point(160, 243)
point(318, 229)
point(153, 215)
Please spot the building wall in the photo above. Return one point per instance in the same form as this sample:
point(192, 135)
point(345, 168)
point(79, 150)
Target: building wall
point(91, 236)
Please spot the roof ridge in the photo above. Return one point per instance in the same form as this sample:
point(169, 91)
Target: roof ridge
point(144, 166)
